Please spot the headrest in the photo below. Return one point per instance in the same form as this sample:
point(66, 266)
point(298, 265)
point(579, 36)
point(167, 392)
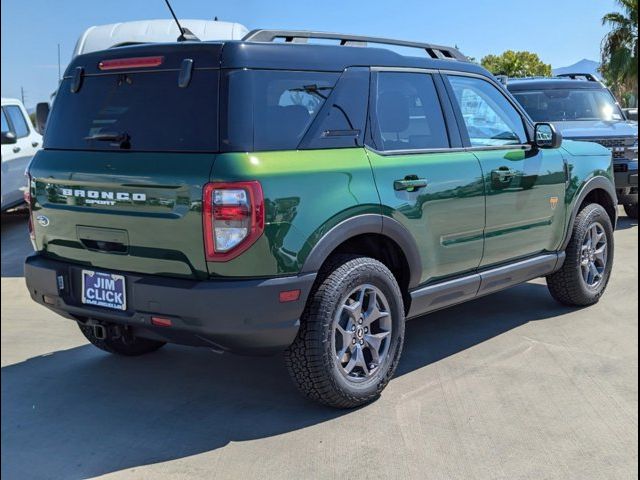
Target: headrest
point(393, 111)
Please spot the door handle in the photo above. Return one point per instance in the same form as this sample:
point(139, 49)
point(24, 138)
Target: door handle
point(16, 149)
point(504, 174)
point(410, 183)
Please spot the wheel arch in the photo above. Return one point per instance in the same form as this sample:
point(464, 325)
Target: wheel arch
point(600, 190)
point(390, 232)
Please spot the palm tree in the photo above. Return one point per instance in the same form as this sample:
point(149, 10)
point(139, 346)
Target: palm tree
point(619, 49)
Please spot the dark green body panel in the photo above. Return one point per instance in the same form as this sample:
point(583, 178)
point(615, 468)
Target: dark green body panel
point(306, 194)
point(525, 214)
point(586, 160)
point(164, 232)
point(446, 218)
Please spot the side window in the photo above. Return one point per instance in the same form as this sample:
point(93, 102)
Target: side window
point(341, 122)
point(490, 119)
point(5, 123)
point(269, 109)
point(408, 113)
point(18, 121)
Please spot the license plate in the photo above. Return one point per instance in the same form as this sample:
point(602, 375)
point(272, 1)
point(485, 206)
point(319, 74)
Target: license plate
point(103, 290)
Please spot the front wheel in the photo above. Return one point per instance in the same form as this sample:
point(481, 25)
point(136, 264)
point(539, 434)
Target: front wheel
point(351, 334)
point(585, 274)
point(632, 211)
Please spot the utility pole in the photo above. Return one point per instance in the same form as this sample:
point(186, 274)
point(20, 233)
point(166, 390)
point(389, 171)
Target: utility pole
point(22, 94)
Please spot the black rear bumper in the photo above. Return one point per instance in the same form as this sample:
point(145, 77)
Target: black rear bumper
point(242, 316)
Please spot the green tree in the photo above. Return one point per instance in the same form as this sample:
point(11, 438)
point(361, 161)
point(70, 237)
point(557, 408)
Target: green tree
point(619, 51)
point(516, 64)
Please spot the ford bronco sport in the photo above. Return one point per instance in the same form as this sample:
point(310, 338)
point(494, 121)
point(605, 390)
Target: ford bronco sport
point(276, 194)
point(582, 108)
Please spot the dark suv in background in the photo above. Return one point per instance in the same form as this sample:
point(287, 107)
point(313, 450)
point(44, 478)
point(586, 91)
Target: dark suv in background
point(582, 108)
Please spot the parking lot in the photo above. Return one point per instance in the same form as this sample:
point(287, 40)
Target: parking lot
point(509, 386)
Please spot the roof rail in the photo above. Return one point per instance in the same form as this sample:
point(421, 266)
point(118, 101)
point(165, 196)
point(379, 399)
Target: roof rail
point(302, 36)
point(590, 77)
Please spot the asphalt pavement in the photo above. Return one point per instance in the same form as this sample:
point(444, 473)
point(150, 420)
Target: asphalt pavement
point(510, 386)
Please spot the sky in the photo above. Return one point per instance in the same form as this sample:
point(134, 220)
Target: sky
point(561, 32)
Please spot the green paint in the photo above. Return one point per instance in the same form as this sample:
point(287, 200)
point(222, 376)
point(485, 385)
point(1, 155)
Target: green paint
point(461, 220)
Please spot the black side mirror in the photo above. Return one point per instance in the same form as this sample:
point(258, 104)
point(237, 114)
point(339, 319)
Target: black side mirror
point(8, 138)
point(42, 113)
point(546, 136)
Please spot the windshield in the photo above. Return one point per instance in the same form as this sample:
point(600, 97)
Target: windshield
point(558, 105)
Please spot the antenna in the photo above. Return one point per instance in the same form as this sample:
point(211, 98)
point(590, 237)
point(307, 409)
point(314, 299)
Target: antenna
point(185, 34)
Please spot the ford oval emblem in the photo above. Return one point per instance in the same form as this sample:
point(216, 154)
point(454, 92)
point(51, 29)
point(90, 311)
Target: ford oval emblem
point(42, 220)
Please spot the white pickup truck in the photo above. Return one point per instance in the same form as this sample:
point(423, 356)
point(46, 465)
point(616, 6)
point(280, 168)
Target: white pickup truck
point(20, 142)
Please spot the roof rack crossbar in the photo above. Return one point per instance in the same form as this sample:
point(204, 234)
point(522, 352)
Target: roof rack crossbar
point(590, 77)
point(302, 36)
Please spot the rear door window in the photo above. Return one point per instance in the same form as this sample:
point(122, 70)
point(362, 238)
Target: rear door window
point(154, 113)
point(271, 110)
point(408, 113)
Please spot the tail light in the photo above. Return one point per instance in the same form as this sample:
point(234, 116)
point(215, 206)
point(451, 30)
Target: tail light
point(233, 218)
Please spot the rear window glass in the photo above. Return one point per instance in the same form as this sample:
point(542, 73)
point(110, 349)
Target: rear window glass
point(271, 110)
point(149, 109)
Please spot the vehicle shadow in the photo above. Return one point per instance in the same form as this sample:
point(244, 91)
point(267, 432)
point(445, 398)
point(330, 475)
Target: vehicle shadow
point(81, 413)
point(624, 223)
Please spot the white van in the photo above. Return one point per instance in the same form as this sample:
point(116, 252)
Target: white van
point(101, 37)
point(20, 142)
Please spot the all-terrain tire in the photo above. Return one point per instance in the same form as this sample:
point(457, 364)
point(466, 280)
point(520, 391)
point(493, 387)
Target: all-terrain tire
point(567, 285)
point(124, 345)
point(311, 359)
point(632, 211)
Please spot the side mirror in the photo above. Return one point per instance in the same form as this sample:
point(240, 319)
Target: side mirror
point(42, 113)
point(546, 136)
point(8, 138)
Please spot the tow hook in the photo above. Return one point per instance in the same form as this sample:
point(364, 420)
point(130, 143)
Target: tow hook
point(100, 331)
point(107, 331)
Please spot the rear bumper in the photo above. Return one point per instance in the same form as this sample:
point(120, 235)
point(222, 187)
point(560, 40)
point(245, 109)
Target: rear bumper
point(242, 316)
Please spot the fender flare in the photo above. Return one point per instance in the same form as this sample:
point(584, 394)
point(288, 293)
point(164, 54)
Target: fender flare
point(363, 224)
point(594, 183)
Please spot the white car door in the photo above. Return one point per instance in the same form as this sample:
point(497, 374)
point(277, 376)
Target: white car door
point(15, 157)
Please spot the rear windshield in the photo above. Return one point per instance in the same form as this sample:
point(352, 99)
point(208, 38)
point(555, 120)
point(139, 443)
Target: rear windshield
point(558, 105)
point(271, 110)
point(143, 111)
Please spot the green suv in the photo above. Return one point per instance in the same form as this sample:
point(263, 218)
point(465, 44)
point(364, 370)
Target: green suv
point(281, 193)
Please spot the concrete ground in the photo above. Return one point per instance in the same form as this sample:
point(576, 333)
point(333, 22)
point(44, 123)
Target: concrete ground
point(511, 386)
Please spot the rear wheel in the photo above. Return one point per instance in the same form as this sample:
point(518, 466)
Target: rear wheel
point(351, 334)
point(632, 211)
point(585, 273)
point(118, 340)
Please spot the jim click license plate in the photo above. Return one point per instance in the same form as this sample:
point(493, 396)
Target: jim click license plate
point(104, 290)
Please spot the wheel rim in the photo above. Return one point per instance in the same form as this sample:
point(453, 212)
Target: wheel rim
point(362, 333)
point(594, 255)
